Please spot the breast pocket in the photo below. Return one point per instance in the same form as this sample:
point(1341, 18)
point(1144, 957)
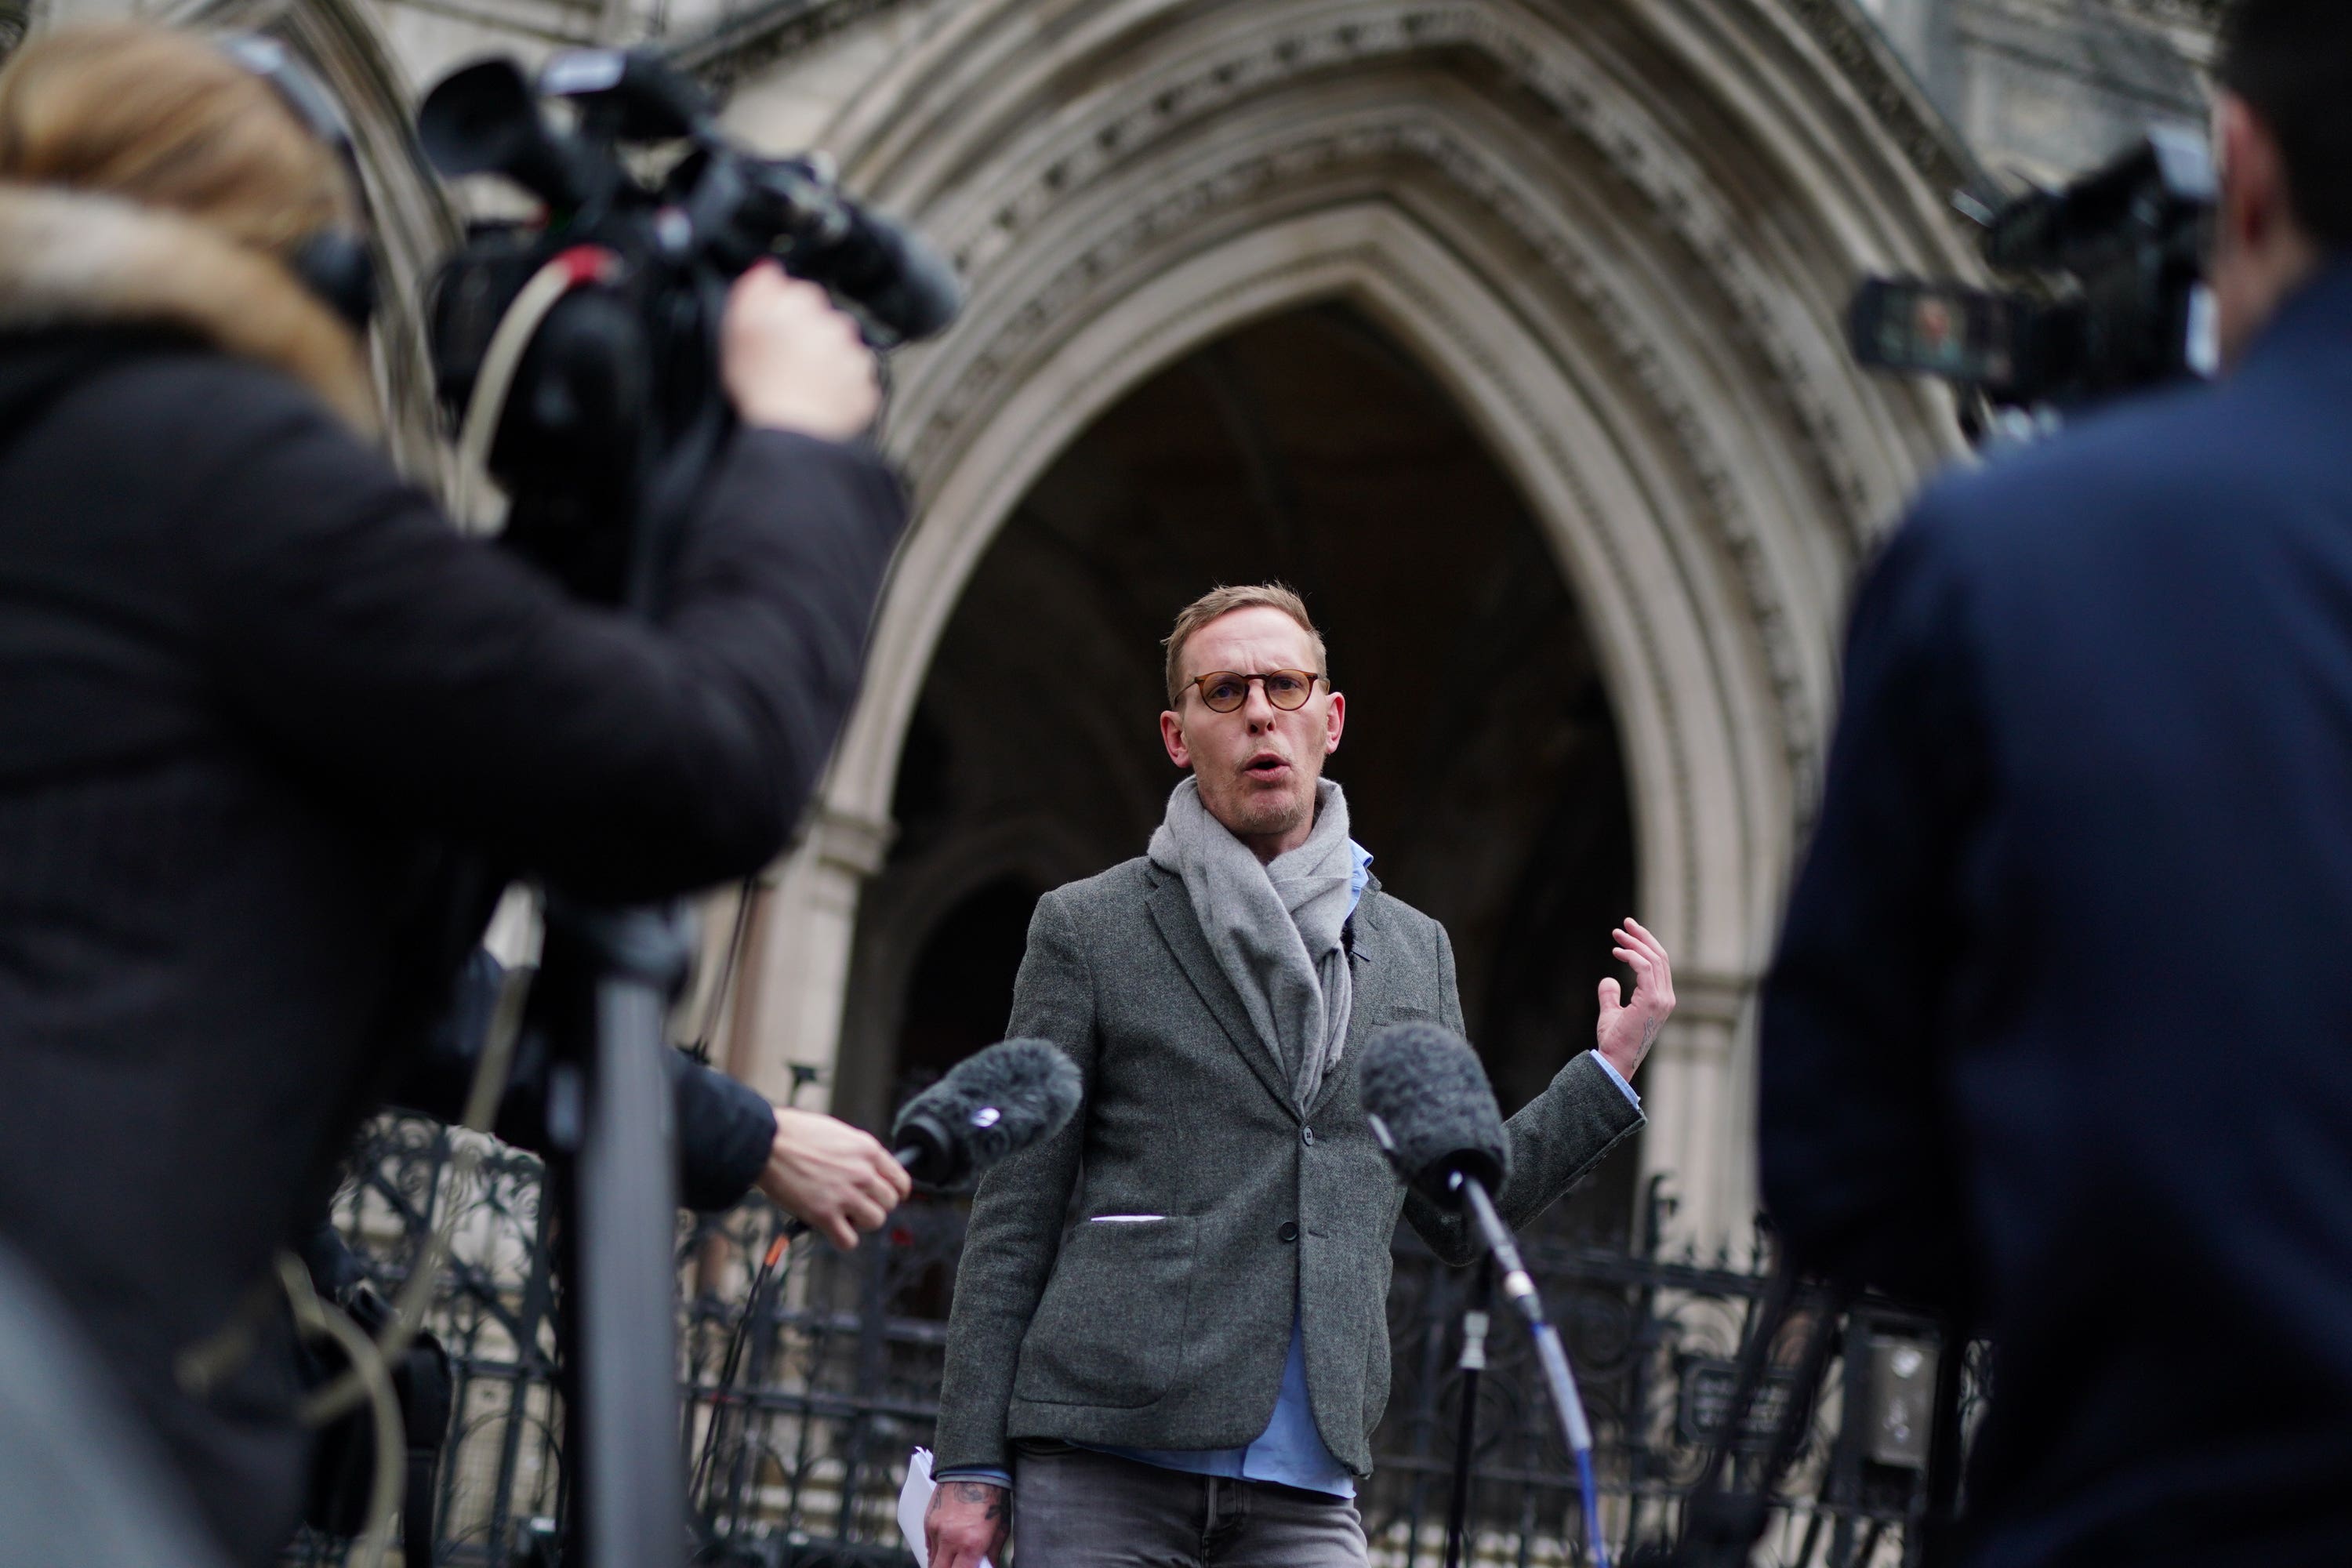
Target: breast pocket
point(1110, 1330)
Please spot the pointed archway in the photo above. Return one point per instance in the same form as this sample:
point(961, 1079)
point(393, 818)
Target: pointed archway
point(1482, 764)
point(1620, 239)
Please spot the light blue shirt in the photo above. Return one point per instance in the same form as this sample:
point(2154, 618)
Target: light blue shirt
point(1290, 1451)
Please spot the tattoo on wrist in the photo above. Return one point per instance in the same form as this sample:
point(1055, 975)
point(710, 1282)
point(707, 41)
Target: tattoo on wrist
point(1649, 1033)
point(979, 1492)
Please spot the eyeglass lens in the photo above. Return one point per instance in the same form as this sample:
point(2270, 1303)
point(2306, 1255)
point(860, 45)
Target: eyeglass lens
point(1224, 690)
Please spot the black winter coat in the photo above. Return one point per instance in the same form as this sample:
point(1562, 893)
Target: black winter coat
point(244, 671)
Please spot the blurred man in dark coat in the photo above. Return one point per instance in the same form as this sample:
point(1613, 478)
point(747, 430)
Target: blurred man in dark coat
point(2060, 1034)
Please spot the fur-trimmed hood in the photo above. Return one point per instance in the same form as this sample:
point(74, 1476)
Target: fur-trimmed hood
point(71, 258)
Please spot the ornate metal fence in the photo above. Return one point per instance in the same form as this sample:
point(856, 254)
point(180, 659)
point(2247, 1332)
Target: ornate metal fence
point(798, 1451)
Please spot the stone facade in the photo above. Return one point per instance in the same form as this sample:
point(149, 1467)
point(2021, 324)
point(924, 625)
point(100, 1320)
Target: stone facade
point(2046, 89)
point(1615, 240)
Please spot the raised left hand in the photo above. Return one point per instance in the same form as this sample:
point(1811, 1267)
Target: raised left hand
point(1627, 1030)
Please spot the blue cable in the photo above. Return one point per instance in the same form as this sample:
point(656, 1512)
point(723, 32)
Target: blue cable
point(1552, 1356)
point(1592, 1508)
point(1519, 1290)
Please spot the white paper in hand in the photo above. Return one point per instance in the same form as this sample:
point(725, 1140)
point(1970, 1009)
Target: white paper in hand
point(914, 1501)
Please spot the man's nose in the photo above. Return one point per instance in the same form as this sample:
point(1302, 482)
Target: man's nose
point(1258, 708)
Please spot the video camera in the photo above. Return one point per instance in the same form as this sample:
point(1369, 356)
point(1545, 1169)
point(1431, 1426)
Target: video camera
point(2117, 301)
point(604, 402)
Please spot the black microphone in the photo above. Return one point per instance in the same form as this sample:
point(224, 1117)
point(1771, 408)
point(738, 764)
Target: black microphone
point(1434, 1114)
point(1432, 1111)
point(989, 1104)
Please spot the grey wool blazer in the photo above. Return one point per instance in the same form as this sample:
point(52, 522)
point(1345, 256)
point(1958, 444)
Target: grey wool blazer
point(1172, 1332)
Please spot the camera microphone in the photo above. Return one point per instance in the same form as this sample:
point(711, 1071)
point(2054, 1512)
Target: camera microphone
point(990, 1104)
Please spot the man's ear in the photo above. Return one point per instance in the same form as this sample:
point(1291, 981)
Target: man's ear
point(2253, 174)
point(1335, 719)
point(1172, 735)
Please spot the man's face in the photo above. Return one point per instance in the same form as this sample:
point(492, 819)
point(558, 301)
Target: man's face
point(1257, 765)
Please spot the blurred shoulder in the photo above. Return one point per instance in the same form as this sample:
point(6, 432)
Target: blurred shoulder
point(230, 398)
point(2173, 453)
point(185, 408)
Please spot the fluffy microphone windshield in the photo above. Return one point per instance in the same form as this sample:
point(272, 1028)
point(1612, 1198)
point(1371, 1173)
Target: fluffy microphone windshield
point(1424, 1085)
point(991, 1103)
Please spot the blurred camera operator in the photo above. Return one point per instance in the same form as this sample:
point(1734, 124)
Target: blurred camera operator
point(250, 679)
point(2060, 1033)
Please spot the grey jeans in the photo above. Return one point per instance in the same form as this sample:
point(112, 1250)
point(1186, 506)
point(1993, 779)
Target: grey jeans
point(1074, 1509)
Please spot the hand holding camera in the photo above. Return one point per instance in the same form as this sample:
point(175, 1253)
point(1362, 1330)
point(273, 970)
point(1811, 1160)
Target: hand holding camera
point(790, 361)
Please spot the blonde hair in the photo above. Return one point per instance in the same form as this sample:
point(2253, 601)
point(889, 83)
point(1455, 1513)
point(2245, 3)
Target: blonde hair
point(165, 119)
point(1224, 601)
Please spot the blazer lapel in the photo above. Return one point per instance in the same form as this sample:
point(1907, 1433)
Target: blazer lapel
point(1179, 928)
point(1368, 968)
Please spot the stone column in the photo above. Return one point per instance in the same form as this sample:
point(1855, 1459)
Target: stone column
point(796, 968)
point(1697, 1089)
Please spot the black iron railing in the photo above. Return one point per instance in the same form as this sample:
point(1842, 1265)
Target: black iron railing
point(798, 1455)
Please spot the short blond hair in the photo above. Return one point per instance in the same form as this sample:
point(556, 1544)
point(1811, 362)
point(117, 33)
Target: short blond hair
point(166, 119)
point(1223, 601)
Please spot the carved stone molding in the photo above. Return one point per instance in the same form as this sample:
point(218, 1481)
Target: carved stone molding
point(1870, 65)
point(1686, 214)
point(743, 43)
point(2200, 16)
point(1620, 134)
point(748, 41)
point(1062, 296)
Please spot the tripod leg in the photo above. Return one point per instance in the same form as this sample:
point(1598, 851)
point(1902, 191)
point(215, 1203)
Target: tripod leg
point(636, 1502)
point(1475, 1319)
point(628, 1490)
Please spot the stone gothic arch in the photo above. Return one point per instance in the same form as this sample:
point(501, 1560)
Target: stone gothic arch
point(1620, 234)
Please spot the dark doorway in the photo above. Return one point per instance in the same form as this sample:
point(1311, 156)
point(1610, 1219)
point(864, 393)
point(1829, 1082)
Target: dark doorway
point(961, 986)
point(1482, 760)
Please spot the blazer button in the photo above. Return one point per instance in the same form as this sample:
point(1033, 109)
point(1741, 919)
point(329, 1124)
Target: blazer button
point(1289, 1232)
point(1307, 1136)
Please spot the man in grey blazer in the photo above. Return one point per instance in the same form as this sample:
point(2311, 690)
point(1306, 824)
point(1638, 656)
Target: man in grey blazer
point(1170, 1338)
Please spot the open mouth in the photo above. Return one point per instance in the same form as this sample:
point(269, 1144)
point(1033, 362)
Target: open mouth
point(1266, 766)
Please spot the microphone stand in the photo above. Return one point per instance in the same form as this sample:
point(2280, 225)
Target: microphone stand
point(1519, 1290)
point(1474, 1319)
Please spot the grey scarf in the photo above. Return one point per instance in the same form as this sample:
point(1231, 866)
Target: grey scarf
point(1275, 927)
